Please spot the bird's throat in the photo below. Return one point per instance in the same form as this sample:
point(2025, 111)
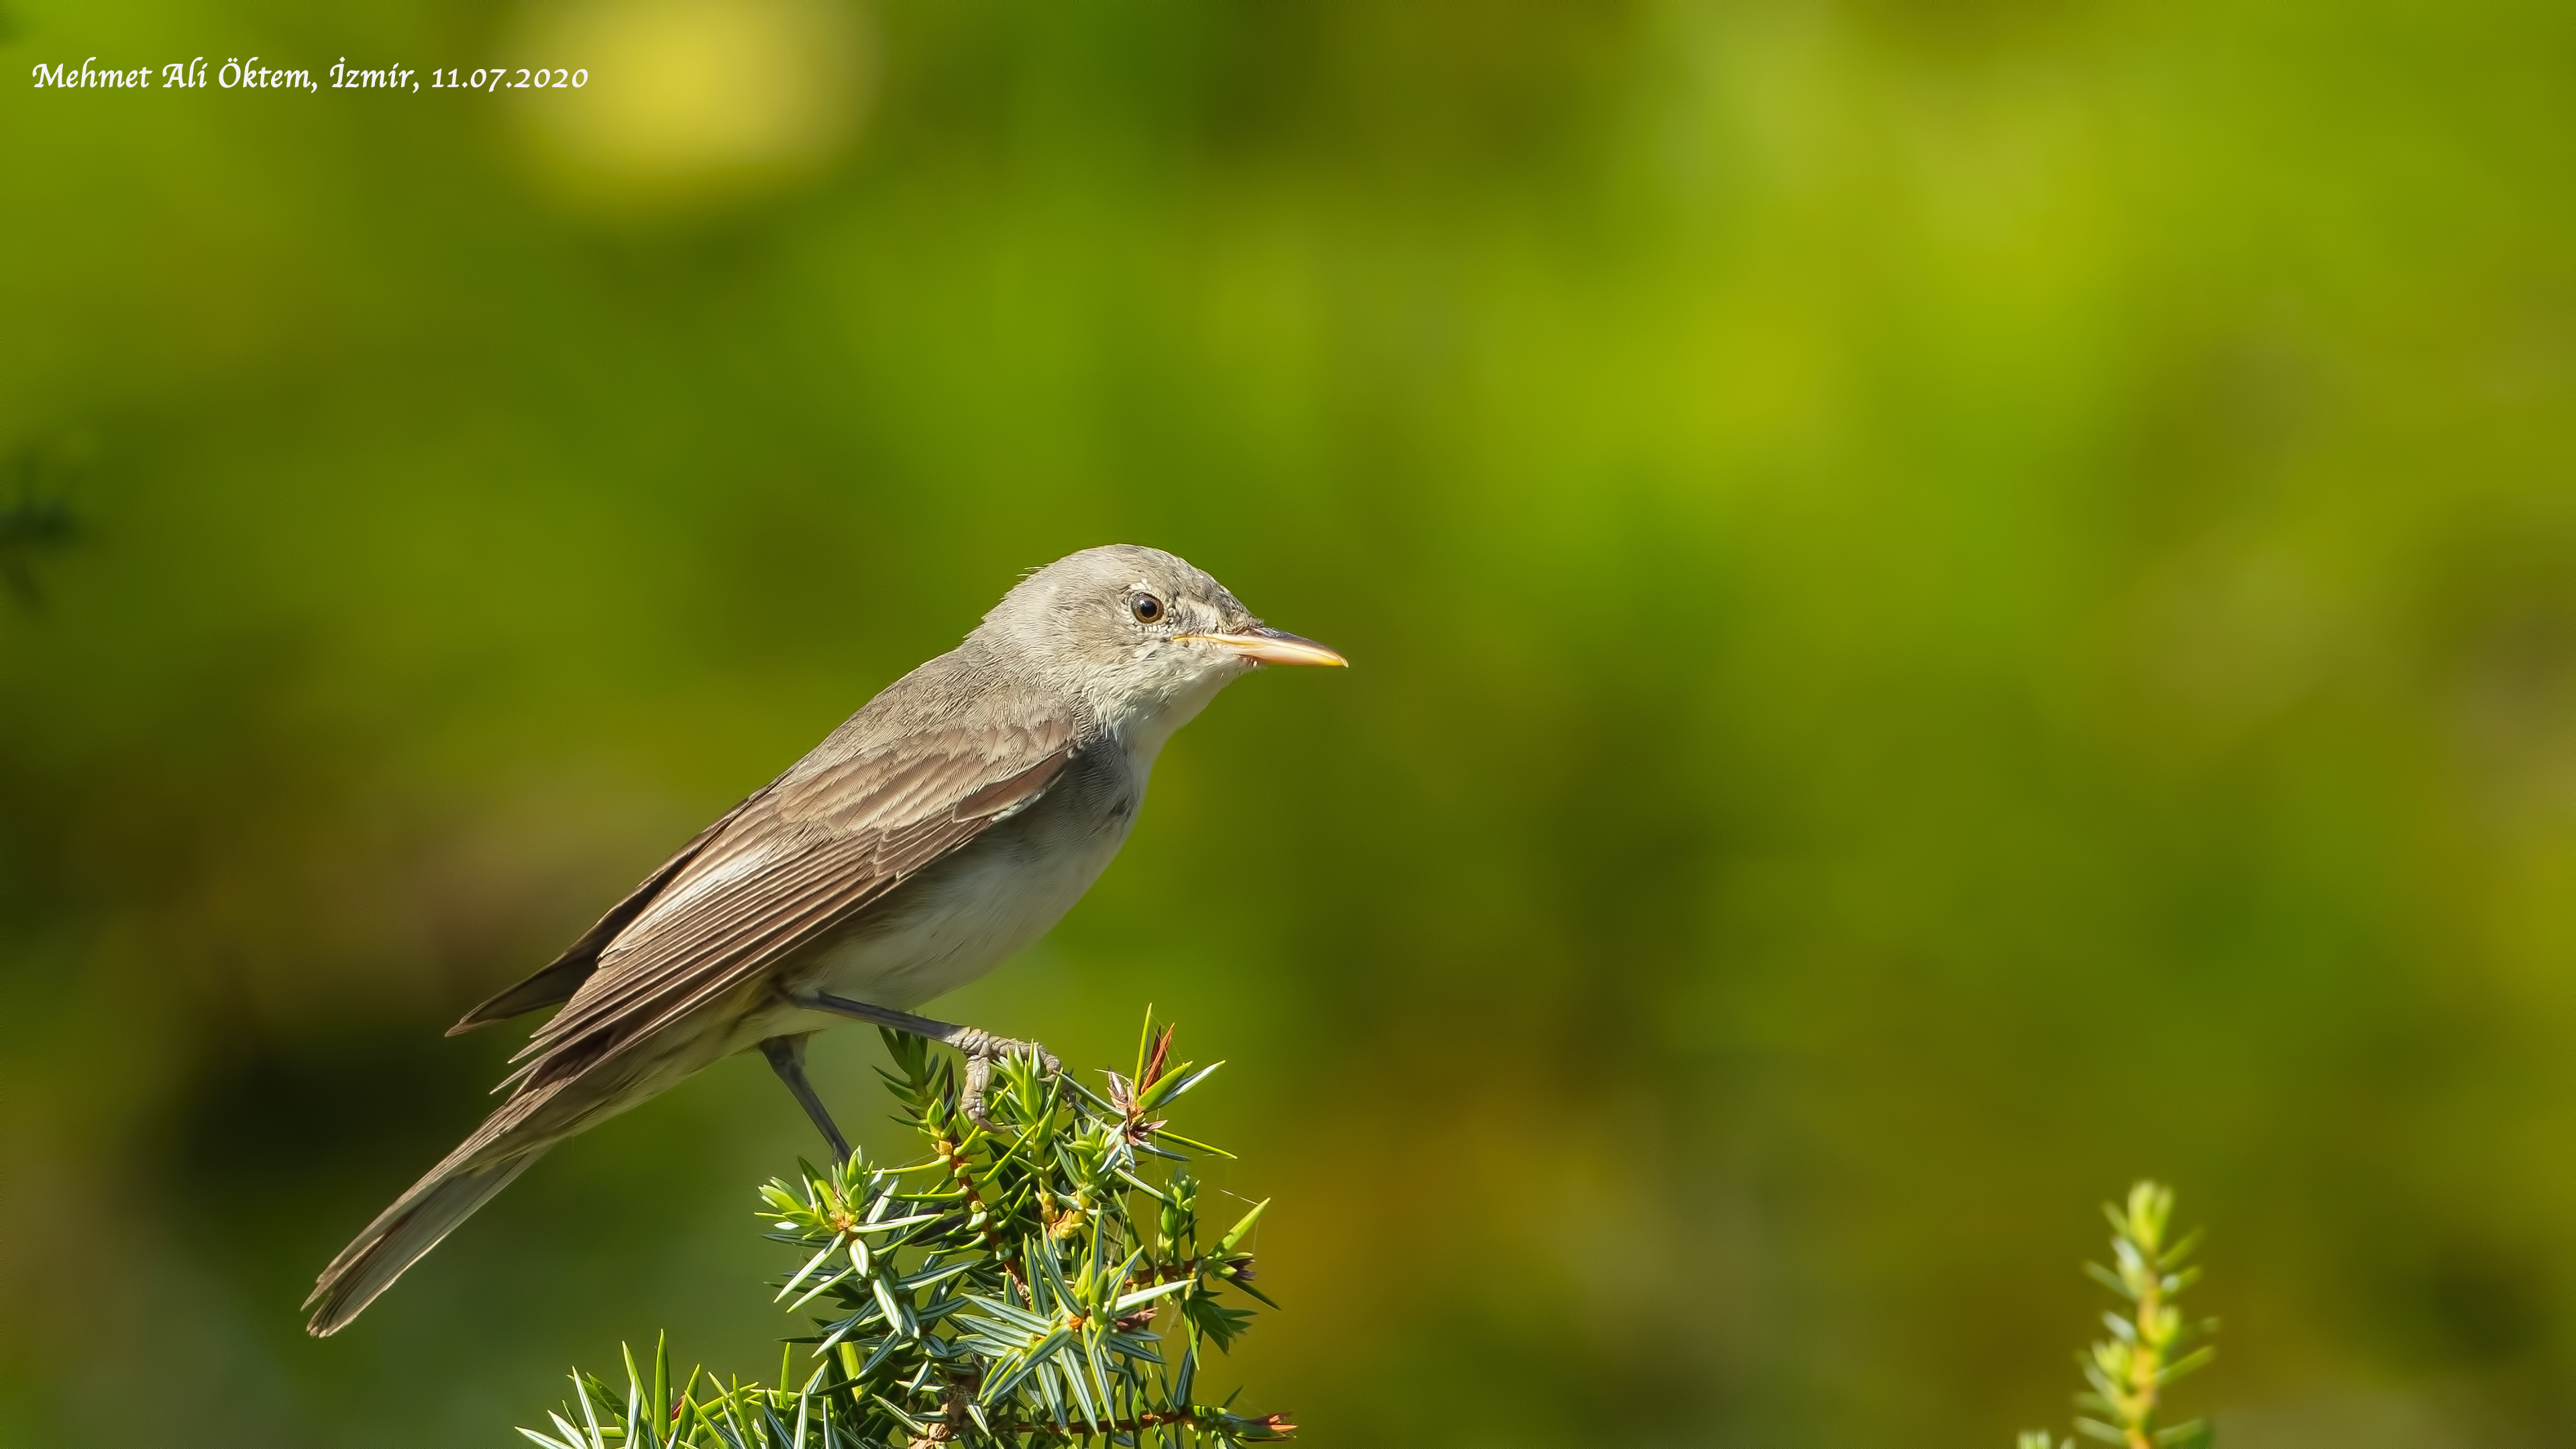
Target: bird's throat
point(1145, 732)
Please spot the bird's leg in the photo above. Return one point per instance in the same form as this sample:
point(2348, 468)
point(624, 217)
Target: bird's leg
point(980, 1047)
point(787, 1058)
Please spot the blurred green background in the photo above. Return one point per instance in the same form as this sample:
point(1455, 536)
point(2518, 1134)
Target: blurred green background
point(1955, 601)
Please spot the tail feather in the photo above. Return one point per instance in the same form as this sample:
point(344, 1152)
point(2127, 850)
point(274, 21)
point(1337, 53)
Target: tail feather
point(401, 1234)
point(536, 1116)
point(483, 1164)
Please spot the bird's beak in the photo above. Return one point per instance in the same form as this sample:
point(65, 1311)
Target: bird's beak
point(1273, 646)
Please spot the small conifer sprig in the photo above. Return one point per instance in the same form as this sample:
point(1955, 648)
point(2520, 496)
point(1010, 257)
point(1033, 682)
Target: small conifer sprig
point(1005, 1290)
point(2129, 1370)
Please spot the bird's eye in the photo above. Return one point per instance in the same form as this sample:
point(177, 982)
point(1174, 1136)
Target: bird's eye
point(1145, 607)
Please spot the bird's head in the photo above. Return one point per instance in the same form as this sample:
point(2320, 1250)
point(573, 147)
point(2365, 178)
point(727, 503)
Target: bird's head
point(1139, 634)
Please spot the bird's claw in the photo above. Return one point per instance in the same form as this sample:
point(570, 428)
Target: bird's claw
point(982, 1049)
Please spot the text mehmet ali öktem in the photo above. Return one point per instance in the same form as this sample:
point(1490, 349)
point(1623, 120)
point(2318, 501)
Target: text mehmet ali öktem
point(231, 75)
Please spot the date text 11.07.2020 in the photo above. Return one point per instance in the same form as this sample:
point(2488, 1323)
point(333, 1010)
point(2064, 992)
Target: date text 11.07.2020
point(537, 79)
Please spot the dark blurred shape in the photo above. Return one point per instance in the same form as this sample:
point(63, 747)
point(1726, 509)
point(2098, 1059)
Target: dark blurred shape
point(36, 520)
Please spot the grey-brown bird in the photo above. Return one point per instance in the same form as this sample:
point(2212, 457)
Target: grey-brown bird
point(946, 825)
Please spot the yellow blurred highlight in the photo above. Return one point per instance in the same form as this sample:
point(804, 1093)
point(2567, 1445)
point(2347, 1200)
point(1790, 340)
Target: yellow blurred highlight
point(690, 102)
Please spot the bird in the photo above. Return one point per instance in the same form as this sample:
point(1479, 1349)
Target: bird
point(947, 824)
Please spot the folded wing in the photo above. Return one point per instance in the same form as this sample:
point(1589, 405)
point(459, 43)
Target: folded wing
point(821, 844)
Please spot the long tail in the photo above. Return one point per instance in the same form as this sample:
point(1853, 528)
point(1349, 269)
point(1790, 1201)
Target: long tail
point(480, 1166)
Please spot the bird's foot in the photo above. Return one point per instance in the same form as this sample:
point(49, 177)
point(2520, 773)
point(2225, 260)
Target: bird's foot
point(982, 1049)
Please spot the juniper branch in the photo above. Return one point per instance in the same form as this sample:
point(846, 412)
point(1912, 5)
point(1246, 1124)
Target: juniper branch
point(1003, 1290)
point(2130, 1370)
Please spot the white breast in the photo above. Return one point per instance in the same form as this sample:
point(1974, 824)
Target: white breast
point(968, 914)
point(977, 909)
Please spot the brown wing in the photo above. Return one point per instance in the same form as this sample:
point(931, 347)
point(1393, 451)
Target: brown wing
point(827, 839)
point(561, 977)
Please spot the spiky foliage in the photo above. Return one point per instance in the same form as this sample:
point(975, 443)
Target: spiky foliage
point(1040, 1281)
point(2130, 1369)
